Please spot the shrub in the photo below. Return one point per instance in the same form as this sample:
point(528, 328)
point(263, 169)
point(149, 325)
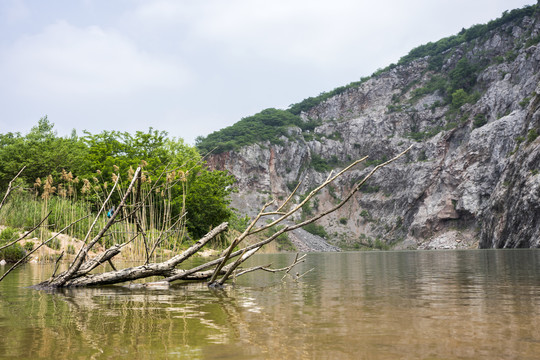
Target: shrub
point(13, 253)
point(532, 135)
point(459, 98)
point(7, 234)
point(29, 246)
point(523, 103)
point(284, 243)
point(318, 230)
point(479, 120)
point(381, 245)
point(366, 215)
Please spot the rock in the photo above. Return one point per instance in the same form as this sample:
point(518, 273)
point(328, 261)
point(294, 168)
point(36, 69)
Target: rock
point(476, 172)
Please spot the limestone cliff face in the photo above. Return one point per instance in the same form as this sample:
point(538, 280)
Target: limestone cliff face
point(472, 178)
point(512, 216)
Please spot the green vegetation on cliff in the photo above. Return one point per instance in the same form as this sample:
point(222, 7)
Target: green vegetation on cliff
point(269, 124)
point(456, 84)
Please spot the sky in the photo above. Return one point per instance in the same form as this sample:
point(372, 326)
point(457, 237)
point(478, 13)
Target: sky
point(191, 67)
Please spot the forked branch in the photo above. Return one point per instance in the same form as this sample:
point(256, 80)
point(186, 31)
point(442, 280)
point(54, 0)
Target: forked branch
point(217, 271)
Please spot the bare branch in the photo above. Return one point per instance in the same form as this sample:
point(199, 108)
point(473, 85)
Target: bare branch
point(65, 276)
point(329, 179)
point(26, 233)
point(40, 245)
point(9, 187)
point(142, 271)
point(79, 272)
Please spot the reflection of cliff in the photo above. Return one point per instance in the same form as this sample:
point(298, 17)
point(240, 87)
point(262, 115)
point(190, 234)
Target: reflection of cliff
point(369, 305)
point(473, 154)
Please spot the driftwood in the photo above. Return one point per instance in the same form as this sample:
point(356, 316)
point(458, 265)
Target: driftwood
point(215, 272)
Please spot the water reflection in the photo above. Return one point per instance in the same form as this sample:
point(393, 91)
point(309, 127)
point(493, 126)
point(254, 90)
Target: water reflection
point(386, 305)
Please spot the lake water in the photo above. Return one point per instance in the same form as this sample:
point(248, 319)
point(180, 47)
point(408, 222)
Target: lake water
point(476, 304)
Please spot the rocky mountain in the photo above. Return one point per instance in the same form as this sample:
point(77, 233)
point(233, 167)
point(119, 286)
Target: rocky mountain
point(469, 104)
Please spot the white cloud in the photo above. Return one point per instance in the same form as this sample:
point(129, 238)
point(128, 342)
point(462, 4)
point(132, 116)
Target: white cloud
point(65, 62)
point(317, 33)
point(14, 11)
point(191, 67)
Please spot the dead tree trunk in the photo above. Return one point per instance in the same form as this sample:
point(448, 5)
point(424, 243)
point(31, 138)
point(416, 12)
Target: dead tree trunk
point(215, 272)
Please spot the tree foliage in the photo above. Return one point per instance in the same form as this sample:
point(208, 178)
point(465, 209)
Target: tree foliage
point(102, 156)
point(269, 124)
point(465, 35)
point(42, 152)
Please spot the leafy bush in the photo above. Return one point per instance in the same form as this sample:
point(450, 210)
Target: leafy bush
point(7, 234)
point(70, 249)
point(283, 242)
point(523, 103)
point(268, 125)
point(320, 164)
point(12, 253)
point(315, 229)
point(533, 41)
point(381, 245)
point(29, 246)
point(436, 83)
point(532, 135)
point(479, 120)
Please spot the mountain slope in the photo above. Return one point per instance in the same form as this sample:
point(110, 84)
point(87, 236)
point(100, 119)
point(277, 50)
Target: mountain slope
point(468, 103)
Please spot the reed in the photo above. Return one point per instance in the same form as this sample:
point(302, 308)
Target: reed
point(72, 198)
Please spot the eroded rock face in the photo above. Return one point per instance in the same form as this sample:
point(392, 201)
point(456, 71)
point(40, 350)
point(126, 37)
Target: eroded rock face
point(512, 217)
point(471, 179)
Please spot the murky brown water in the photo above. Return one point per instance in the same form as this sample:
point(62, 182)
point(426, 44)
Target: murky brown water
point(376, 305)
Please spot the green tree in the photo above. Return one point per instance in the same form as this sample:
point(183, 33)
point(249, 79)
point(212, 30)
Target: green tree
point(459, 98)
point(207, 200)
point(206, 192)
point(100, 155)
point(42, 152)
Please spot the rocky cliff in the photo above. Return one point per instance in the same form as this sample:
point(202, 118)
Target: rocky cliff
point(472, 179)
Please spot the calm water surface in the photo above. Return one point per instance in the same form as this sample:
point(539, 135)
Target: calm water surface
point(368, 305)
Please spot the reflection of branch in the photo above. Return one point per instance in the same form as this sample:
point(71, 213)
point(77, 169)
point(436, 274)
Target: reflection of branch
point(287, 269)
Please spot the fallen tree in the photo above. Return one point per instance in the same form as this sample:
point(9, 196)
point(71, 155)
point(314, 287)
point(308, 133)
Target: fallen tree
point(215, 272)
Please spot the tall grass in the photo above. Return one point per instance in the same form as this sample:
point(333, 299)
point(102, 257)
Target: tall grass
point(162, 231)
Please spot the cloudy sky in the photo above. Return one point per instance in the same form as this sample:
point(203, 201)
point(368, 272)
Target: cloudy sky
point(191, 67)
